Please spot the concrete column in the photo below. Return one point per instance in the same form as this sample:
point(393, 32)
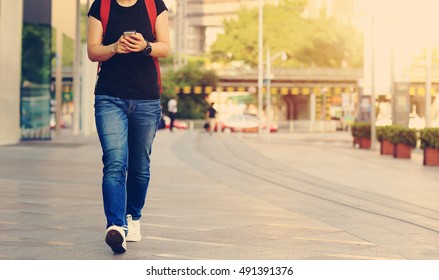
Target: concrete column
point(11, 23)
point(312, 110)
point(88, 72)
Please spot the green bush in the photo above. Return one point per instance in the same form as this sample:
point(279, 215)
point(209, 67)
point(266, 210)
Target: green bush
point(430, 138)
point(380, 133)
point(190, 106)
point(385, 132)
point(402, 135)
point(360, 130)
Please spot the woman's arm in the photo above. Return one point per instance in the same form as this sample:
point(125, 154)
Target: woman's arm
point(96, 51)
point(162, 47)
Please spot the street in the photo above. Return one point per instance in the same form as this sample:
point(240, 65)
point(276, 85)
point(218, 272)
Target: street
point(224, 197)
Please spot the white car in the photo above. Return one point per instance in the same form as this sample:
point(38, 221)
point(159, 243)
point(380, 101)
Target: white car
point(243, 123)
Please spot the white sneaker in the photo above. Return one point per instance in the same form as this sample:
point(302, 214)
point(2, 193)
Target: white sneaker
point(115, 238)
point(133, 229)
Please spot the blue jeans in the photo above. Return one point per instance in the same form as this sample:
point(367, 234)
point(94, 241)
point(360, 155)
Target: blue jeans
point(126, 130)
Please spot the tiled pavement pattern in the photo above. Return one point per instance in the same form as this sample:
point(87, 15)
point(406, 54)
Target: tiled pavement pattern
point(299, 197)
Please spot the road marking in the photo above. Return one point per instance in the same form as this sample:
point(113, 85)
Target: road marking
point(4, 237)
point(295, 226)
point(159, 215)
point(155, 199)
point(357, 257)
point(268, 208)
point(8, 223)
point(164, 226)
point(58, 243)
point(335, 241)
point(188, 241)
point(269, 215)
point(180, 257)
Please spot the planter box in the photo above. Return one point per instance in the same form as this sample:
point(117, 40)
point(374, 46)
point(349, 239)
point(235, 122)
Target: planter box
point(402, 151)
point(431, 156)
point(361, 133)
point(386, 148)
point(364, 143)
point(356, 141)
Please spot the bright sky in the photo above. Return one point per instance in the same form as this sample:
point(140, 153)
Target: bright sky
point(406, 26)
point(413, 22)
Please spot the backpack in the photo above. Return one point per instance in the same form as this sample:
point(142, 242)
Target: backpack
point(152, 14)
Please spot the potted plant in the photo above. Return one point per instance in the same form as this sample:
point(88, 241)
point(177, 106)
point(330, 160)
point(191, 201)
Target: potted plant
point(361, 133)
point(383, 134)
point(404, 140)
point(430, 144)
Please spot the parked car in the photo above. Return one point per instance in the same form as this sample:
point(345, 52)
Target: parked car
point(177, 124)
point(242, 123)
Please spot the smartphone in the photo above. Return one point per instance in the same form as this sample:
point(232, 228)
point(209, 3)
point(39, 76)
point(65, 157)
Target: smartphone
point(129, 33)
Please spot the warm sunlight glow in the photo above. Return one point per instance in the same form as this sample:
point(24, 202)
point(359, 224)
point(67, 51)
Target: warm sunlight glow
point(404, 28)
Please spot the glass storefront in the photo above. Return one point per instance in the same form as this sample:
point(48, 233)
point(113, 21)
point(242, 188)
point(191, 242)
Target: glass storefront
point(36, 72)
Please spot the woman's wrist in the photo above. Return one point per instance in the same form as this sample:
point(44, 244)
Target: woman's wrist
point(113, 48)
point(147, 50)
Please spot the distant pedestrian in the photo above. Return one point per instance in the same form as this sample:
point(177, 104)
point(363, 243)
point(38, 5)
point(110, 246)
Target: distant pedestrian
point(172, 110)
point(211, 118)
point(127, 105)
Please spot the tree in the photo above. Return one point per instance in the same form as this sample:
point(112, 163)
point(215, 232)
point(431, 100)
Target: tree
point(332, 44)
point(322, 42)
point(190, 106)
point(36, 53)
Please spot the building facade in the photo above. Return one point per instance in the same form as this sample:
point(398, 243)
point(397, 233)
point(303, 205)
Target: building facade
point(11, 14)
point(26, 28)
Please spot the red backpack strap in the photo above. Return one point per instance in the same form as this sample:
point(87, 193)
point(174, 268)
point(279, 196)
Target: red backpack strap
point(105, 14)
point(152, 14)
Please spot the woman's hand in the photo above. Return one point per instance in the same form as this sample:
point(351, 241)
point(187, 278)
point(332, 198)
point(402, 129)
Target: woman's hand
point(133, 43)
point(121, 45)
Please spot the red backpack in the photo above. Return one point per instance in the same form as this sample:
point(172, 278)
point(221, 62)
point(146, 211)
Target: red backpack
point(152, 14)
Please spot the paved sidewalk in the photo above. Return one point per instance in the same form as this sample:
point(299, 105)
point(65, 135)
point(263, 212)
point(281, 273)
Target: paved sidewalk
point(301, 196)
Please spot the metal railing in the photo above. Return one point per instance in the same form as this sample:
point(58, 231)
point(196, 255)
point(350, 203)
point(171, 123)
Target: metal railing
point(296, 126)
point(297, 74)
point(301, 126)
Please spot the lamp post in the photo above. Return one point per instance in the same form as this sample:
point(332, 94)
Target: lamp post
point(270, 59)
point(181, 36)
point(76, 72)
point(372, 86)
point(268, 93)
point(428, 88)
point(58, 81)
point(260, 64)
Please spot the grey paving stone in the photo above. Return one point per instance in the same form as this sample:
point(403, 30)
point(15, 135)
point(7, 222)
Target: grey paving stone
point(300, 196)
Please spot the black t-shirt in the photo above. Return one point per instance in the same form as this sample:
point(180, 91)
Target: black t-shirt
point(132, 75)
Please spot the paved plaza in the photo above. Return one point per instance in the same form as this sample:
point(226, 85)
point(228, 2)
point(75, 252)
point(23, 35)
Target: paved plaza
point(224, 197)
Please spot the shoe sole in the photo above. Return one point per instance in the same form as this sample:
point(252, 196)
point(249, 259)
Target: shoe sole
point(115, 240)
point(133, 239)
